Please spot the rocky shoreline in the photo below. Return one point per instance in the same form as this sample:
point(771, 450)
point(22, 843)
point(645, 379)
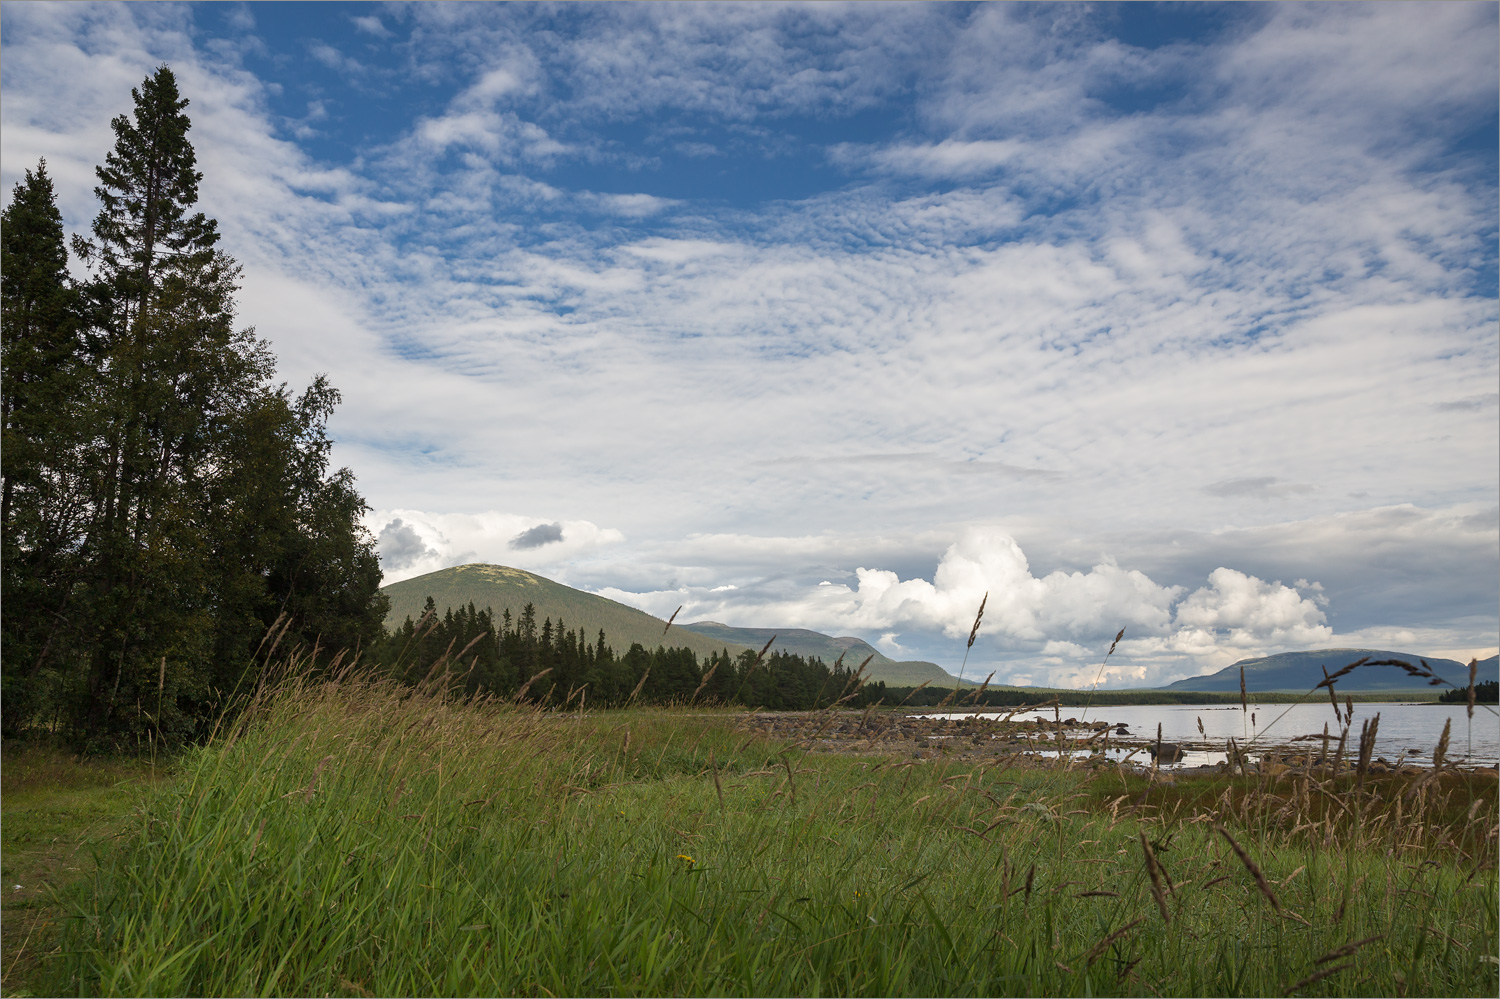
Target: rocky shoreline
point(1091, 744)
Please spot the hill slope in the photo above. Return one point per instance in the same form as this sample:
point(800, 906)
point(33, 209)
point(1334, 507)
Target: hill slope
point(1298, 671)
point(801, 642)
point(500, 587)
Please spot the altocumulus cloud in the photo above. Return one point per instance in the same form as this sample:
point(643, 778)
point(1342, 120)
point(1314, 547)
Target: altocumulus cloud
point(804, 293)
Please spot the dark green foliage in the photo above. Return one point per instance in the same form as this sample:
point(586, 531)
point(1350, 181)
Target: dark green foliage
point(1484, 693)
point(165, 502)
point(559, 666)
point(44, 442)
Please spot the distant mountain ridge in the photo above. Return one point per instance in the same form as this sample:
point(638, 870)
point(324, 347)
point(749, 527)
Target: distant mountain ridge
point(501, 587)
point(1298, 671)
point(802, 642)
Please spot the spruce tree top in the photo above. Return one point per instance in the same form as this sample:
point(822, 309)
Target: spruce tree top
point(32, 239)
point(147, 186)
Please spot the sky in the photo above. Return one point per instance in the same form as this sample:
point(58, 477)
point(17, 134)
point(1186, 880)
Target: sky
point(1181, 319)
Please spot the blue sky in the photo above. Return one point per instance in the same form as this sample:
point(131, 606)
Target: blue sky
point(1181, 318)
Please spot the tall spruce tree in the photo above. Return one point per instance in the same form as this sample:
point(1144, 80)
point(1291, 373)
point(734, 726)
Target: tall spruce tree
point(44, 394)
point(206, 510)
point(173, 372)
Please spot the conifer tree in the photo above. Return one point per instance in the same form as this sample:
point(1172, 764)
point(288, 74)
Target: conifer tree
point(43, 400)
point(182, 503)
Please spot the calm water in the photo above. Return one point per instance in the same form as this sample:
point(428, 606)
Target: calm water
point(1403, 727)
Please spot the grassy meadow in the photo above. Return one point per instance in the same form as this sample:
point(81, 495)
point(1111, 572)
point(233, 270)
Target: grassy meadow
point(57, 812)
point(359, 838)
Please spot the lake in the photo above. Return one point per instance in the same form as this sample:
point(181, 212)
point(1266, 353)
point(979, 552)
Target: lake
point(1409, 730)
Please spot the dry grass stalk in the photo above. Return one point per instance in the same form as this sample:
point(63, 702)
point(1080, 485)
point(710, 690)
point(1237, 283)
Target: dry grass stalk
point(1099, 948)
point(671, 619)
point(1244, 701)
point(634, 693)
point(974, 697)
point(521, 694)
point(974, 631)
point(1316, 977)
point(1153, 869)
point(704, 682)
point(1333, 697)
point(1473, 672)
point(255, 841)
point(1250, 865)
point(1367, 733)
point(1328, 681)
point(973, 634)
point(312, 785)
point(1440, 754)
point(758, 657)
point(713, 767)
point(269, 632)
point(913, 692)
point(1347, 949)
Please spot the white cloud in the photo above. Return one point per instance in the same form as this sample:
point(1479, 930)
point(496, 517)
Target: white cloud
point(1245, 325)
point(492, 85)
point(412, 543)
point(1249, 613)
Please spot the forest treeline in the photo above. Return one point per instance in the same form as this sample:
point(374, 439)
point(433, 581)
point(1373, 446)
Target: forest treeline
point(554, 665)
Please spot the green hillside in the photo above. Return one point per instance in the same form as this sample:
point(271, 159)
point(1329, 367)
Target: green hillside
point(801, 642)
point(500, 587)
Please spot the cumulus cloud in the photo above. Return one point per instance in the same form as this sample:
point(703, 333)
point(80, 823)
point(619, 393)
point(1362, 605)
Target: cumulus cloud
point(1053, 628)
point(401, 547)
point(1020, 605)
point(1248, 612)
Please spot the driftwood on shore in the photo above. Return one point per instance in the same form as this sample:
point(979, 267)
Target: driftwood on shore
point(980, 736)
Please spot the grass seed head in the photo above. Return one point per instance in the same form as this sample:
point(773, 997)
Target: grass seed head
point(1251, 866)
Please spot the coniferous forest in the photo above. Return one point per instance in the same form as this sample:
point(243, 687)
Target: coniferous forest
point(554, 665)
point(165, 501)
point(167, 505)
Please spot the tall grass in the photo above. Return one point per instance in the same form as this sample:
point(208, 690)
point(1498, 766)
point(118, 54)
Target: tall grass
point(355, 838)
